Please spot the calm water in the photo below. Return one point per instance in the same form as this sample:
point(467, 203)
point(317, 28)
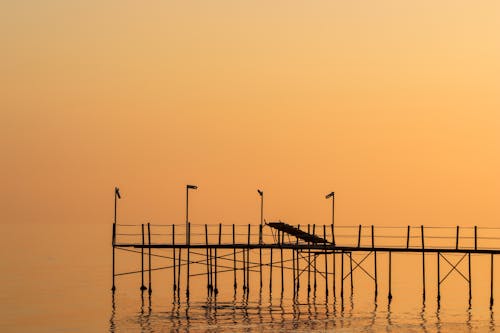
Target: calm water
point(56, 278)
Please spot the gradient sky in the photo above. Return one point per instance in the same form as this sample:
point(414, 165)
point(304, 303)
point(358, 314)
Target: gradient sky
point(394, 105)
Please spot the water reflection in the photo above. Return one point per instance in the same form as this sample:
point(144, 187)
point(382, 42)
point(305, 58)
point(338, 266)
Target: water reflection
point(262, 313)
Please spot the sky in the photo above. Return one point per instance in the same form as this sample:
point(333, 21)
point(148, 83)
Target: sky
point(394, 105)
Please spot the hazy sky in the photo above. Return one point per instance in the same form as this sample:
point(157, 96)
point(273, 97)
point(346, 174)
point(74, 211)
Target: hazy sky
point(394, 105)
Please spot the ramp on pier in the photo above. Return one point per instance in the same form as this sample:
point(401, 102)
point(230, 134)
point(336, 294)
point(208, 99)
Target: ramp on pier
point(296, 232)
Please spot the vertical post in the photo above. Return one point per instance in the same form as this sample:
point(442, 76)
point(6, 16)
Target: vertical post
point(390, 277)
point(179, 273)
point(113, 287)
point(456, 243)
point(438, 278)
point(142, 259)
point(326, 262)
point(260, 253)
point(220, 235)
point(470, 280)
point(293, 273)
point(423, 261)
point(188, 258)
point(271, 272)
point(359, 235)
point(308, 262)
point(243, 253)
point(491, 282)
point(342, 276)
point(173, 258)
point(281, 258)
point(298, 263)
point(374, 262)
point(248, 261)
point(314, 259)
point(475, 237)
point(350, 267)
point(209, 284)
point(235, 285)
point(149, 258)
point(334, 268)
point(408, 237)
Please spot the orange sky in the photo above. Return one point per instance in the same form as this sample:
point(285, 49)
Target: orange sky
point(394, 105)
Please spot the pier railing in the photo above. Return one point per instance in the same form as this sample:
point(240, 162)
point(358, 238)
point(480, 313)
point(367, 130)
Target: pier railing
point(363, 236)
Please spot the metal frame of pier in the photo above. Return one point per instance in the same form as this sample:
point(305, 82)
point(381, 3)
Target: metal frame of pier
point(301, 245)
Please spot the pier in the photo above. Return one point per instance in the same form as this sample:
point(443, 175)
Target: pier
point(298, 256)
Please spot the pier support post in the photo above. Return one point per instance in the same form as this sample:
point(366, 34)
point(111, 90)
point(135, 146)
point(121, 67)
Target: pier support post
point(248, 261)
point(491, 282)
point(271, 272)
point(179, 274)
point(281, 258)
point(143, 287)
point(374, 262)
point(149, 259)
point(423, 261)
point(308, 262)
point(389, 296)
point(113, 239)
point(216, 290)
point(298, 264)
point(333, 266)
point(350, 273)
point(173, 258)
point(188, 258)
point(438, 278)
point(470, 280)
point(260, 254)
point(209, 284)
point(326, 263)
point(314, 261)
point(235, 284)
point(342, 276)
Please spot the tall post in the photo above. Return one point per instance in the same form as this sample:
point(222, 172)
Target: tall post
point(173, 258)
point(216, 290)
point(342, 276)
point(271, 272)
point(113, 237)
point(179, 273)
point(470, 280)
point(314, 260)
point(423, 261)
point(438, 278)
point(390, 277)
point(359, 235)
point(298, 262)
point(334, 268)
point(143, 287)
point(350, 274)
point(209, 283)
point(408, 237)
point(491, 282)
point(113, 240)
point(149, 259)
point(374, 262)
point(248, 261)
point(260, 256)
point(235, 285)
point(326, 262)
point(188, 258)
point(261, 194)
point(293, 274)
point(308, 262)
point(281, 259)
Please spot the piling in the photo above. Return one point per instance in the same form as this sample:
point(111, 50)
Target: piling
point(470, 279)
point(113, 241)
point(298, 263)
point(235, 285)
point(260, 254)
point(333, 265)
point(281, 258)
point(179, 273)
point(389, 296)
point(491, 282)
point(188, 258)
point(149, 259)
point(423, 261)
point(308, 262)
point(271, 271)
point(173, 258)
point(350, 273)
point(248, 261)
point(209, 284)
point(326, 262)
point(216, 290)
point(342, 275)
point(438, 279)
point(143, 287)
point(374, 262)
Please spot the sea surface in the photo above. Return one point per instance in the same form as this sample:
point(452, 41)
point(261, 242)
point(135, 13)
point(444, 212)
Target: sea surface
point(57, 278)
